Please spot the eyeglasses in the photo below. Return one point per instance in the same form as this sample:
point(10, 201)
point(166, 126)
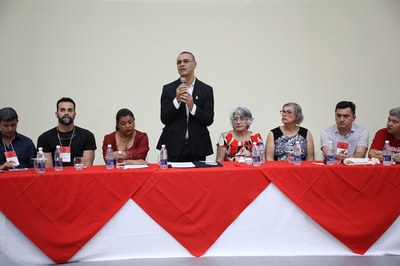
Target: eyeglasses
point(184, 61)
point(239, 119)
point(283, 112)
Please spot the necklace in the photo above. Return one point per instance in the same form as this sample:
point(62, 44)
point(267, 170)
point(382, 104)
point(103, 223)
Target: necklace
point(70, 138)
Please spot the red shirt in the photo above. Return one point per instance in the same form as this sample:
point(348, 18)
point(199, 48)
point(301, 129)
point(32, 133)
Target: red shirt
point(381, 136)
point(138, 150)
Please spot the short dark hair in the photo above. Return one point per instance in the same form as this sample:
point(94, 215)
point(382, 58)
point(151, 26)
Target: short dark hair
point(346, 104)
point(187, 52)
point(8, 114)
point(122, 112)
point(65, 99)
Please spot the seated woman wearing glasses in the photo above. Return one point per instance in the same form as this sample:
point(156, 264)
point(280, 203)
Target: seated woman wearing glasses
point(134, 144)
point(237, 143)
point(282, 139)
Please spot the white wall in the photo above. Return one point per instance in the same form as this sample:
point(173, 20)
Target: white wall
point(261, 54)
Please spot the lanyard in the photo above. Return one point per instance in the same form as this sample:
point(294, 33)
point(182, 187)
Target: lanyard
point(70, 140)
point(5, 147)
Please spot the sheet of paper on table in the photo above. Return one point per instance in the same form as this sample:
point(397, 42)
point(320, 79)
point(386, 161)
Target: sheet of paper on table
point(135, 166)
point(181, 164)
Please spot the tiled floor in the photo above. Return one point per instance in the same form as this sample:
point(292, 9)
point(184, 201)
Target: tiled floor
point(249, 261)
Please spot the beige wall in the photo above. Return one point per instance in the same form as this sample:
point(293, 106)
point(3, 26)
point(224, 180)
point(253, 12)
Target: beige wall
point(112, 54)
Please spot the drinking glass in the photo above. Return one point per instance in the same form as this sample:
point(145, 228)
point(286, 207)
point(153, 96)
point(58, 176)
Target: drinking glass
point(290, 155)
point(78, 163)
point(338, 158)
point(248, 160)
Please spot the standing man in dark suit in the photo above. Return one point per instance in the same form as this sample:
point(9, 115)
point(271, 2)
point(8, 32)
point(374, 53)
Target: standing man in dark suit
point(187, 109)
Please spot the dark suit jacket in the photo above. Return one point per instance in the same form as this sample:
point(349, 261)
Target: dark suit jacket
point(173, 134)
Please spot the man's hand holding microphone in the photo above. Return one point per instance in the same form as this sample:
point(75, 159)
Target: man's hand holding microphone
point(183, 95)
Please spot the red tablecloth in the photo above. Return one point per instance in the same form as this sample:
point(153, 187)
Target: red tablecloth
point(61, 211)
point(356, 204)
point(197, 205)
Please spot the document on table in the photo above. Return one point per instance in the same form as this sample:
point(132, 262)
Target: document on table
point(360, 161)
point(181, 164)
point(17, 169)
point(135, 166)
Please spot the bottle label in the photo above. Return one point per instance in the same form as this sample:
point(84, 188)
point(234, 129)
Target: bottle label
point(109, 162)
point(330, 158)
point(387, 158)
point(58, 163)
point(256, 159)
point(163, 161)
point(297, 158)
point(41, 165)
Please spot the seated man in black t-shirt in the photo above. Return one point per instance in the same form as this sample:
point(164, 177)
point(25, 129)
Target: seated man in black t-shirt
point(74, 141)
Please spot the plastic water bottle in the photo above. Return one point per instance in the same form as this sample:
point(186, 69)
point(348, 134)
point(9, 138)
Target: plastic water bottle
point(109, 158)
point(330, 154)
point(41, 161)
point(297, 153)
point(255, 152)
point(58, 164)
point(387, 153)
point(262, 152)
point(120, 162)
point(163, 157)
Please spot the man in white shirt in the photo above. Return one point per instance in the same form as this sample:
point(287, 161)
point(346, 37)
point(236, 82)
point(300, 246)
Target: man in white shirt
point(349, 139)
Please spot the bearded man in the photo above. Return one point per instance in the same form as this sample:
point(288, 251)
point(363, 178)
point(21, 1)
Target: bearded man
point(74, 141)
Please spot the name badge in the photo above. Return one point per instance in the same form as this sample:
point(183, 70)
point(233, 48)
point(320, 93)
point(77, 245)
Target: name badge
point(65, 154)
point(342, 147)
point(11, 156)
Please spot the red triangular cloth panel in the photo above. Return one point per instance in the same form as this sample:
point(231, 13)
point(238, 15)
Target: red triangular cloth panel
point(61, 211)
point(196, 206)
point(356, 204)
point(13, 184)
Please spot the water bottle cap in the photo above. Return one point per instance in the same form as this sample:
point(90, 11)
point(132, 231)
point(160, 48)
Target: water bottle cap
point(40, 149)
point(163, 146)
point(386, 141)
point(58, 146)
point(109, 145)
point(119, 152)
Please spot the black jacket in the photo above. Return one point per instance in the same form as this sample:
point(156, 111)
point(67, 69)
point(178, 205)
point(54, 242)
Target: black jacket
point(173, 134)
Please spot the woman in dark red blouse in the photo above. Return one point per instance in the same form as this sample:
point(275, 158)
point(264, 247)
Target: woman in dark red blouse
point(134, 144)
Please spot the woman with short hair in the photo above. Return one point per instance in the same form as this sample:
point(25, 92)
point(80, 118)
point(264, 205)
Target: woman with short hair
point(282, 139)
point(237, 143)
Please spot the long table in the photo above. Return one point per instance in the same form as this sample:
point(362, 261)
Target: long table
point(234, 210)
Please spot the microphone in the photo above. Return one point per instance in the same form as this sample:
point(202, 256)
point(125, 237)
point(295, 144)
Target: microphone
point(183, 81)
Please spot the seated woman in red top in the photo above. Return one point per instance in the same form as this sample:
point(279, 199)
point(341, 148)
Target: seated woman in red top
point(237, 143)
point(133, 143)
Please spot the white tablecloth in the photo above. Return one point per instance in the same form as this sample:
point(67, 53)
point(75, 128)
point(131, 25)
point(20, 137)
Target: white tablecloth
point(271, 226)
